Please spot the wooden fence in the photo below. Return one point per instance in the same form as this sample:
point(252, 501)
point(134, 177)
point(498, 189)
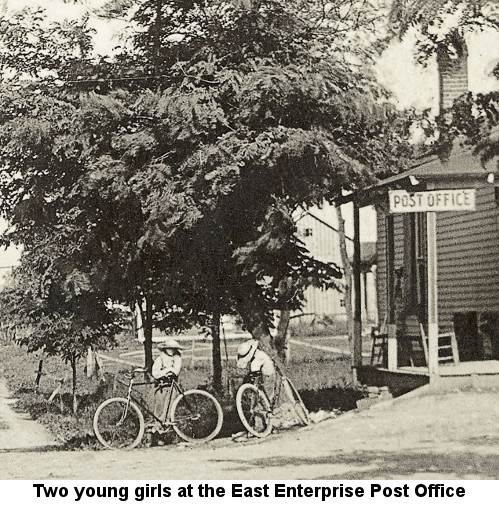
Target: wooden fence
point(197, 349)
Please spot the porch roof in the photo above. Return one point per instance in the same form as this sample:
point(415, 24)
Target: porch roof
point(461, 168)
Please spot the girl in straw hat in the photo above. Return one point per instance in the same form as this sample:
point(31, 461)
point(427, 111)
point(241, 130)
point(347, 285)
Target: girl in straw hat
point(166, 367)
point(169, 361)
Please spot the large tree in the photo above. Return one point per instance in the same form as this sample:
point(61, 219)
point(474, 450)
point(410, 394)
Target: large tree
point(170, 175)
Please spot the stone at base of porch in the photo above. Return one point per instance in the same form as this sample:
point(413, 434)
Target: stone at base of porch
point(398, 382)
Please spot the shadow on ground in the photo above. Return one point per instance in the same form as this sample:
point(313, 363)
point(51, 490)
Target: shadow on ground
point(386, 465)
point(332, 398)
point(34, 449)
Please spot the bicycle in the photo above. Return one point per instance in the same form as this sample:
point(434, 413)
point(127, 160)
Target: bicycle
point(255, 408)
point(195, 415)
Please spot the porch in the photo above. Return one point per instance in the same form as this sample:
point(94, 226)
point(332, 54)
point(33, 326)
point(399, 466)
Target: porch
point(476, 375)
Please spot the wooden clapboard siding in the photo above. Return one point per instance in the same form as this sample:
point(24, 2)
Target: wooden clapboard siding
point(468, 259)
point(323, 302)
point(323, 244)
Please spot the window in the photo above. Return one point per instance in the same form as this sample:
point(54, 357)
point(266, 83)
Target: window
point(308, 232)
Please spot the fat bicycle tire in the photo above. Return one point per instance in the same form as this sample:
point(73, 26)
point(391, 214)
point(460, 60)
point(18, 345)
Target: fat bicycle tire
point(196, 416)
point(254, 410)
point(296, 400)
point(119, 423)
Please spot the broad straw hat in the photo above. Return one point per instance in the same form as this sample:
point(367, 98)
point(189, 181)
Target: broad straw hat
point(169, 344)
point(245, 353)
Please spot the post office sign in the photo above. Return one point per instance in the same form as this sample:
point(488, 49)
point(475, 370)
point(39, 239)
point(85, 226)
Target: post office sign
point(402, 201)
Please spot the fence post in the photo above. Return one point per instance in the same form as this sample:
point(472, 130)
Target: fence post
point(193, 345)
point(115, 380)
point(39, 373)
point(288, 350)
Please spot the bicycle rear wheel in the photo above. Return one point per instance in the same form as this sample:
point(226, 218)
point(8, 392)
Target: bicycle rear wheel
point(295, 399)
point(119, 423)
point(196, 416)
point(253, 408)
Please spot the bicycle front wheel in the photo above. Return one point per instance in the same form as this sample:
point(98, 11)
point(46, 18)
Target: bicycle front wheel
point(196, 416)
point(119, 423)
point(253, 408)
point(296, 400)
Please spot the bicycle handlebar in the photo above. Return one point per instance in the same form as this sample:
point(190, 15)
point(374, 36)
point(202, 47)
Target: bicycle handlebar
point(138, 370)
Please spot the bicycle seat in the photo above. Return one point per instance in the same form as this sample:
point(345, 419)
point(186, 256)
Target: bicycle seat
point(254, 377)
point(165, 381)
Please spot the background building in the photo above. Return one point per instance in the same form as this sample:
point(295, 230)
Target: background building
point(326, 308)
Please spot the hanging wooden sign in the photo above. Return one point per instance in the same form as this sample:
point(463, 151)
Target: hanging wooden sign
point(402, 201)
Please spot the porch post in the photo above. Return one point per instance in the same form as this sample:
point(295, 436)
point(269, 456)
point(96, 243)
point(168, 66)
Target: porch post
point(391, 327)
point(357, 318)
point(431, 240)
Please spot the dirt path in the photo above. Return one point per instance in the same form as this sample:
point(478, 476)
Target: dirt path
point(17, 431)
point(453, 436)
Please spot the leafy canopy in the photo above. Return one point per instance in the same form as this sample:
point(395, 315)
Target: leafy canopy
point(441, 25)
point(173, 173)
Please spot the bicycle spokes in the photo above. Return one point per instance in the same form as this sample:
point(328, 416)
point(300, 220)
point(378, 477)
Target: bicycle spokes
point(118, 424)
point(254, 410)
point(197, 416)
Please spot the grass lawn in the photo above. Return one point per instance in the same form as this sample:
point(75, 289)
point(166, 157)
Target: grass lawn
point(323, 379)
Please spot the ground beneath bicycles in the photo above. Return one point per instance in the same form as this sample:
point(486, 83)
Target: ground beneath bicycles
point(451, 436)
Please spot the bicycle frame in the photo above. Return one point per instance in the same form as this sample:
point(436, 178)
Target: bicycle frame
point(165, 413)
point(119, 422)
point(257, 380)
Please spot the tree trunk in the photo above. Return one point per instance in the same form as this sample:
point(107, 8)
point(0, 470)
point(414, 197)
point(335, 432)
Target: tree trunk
point(74, 361)
point(347, 270)
point(281, 338)
point(147, 325)
point(256, 325)
point(39, 374)
point(216, 354)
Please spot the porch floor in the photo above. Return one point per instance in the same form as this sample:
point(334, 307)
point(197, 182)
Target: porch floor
point(461, 369)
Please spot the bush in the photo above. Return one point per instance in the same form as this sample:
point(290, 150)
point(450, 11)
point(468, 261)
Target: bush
point(19, 369)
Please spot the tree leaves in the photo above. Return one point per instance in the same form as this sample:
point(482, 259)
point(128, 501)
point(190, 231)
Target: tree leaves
point(172, 174)
point(442, 24)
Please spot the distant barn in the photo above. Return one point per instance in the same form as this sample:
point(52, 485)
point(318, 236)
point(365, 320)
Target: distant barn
point(326, 308)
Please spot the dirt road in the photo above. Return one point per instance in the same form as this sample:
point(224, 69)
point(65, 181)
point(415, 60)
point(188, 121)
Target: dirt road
point(449, 436)
point(17, 431)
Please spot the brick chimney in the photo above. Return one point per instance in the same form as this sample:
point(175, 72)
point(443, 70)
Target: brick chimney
point(453, 74)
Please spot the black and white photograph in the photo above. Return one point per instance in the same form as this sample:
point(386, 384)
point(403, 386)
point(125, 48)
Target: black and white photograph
point(249, 241)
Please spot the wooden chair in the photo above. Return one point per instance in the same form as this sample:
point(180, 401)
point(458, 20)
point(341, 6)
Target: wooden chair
point(379, 351)
point(447, 347)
